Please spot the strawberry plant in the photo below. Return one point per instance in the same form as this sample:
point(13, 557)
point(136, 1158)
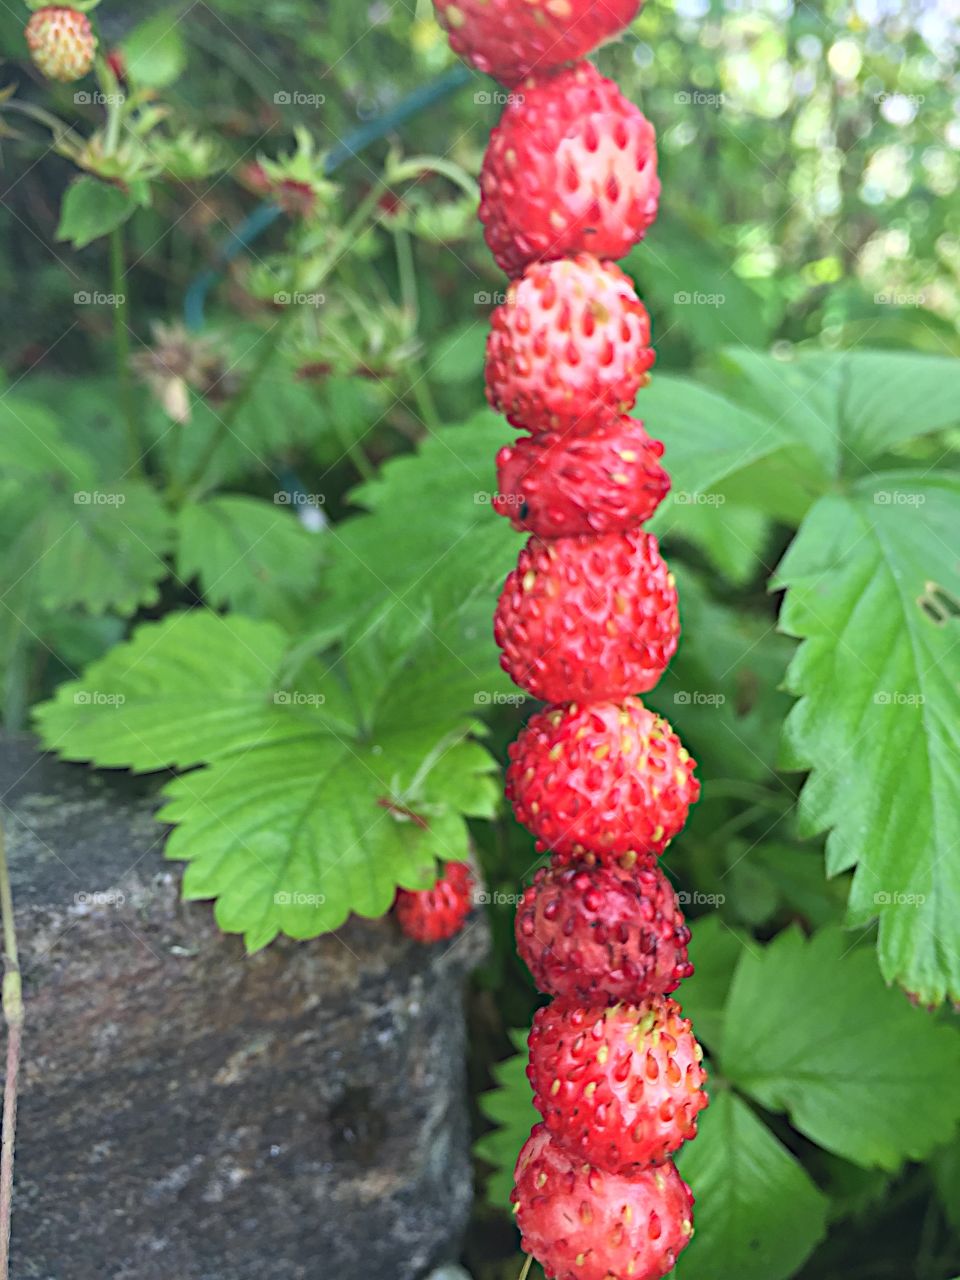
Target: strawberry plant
point(257, 522)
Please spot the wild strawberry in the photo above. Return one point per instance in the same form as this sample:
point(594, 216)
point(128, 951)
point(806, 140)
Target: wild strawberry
point(600, 935)
point(619, 1087)
point(583, 1224)
point(509, 40)
point(432, 915)
point(603, 780)
point(571, 168)
point(588, 619)
point(559, 486)
point(61, 43)
point(569, 347)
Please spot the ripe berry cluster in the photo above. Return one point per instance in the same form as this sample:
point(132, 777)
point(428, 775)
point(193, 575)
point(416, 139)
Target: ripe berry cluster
point(586, 621)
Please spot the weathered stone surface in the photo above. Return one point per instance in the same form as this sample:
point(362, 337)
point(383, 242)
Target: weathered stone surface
point(191, 1113)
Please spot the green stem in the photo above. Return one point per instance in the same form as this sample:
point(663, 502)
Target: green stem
point(526, 1267)
point(417, 165)
point(13, 1014)
point(121, 345)
point(348, 234)
point(407, 275)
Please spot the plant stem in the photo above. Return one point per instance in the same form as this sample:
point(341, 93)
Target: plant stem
point(407, 275)
point(348, 234)
point(526, 1267)
point(121, 345)
point(13, 1014)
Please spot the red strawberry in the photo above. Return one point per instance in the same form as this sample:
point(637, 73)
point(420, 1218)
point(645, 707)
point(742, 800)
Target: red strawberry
point(558, 486)
point(582, 1224)
point(508, 39)
point(569, 348)
point(432, 915)
point(620, 1087)
point(571, 168)
point(588, 619)
point(599, 934)
point(606, 779)
point(61, 43)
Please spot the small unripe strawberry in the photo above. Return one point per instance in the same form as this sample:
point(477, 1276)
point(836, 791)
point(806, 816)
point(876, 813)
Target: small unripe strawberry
point(509, 39)
point(571, 168)
point(620, 1087)
point(560, 486)
point(603, 780)
point(569, 347)
point(61, 43)
point(588, 619)
point(433, 915)
point(602, 934)
point(583, 1224)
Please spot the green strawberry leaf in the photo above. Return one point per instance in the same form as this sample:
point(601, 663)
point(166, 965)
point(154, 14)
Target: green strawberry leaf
point(102, 548)
point(849, 407)
point(322, 792)
point(714, 952)
point(250, 555)
point(873, 590)
point(510, 1107)
point(179, 693)
point(811, 1029)
point(758, 1215)
point(91, 209)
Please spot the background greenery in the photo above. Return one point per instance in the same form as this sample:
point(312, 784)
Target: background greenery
point(318, 666)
